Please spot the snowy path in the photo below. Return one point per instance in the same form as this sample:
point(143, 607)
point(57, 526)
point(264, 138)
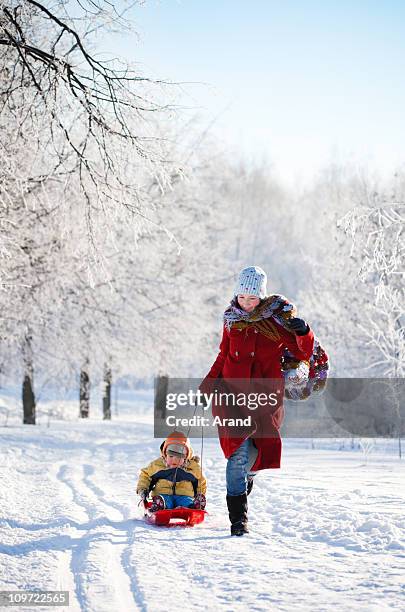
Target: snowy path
point(327, 531)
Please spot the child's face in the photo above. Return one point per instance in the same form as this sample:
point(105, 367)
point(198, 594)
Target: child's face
point(174, 460)
point(248, 302)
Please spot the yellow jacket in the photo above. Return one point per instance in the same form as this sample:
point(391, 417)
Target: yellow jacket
point(162, 480)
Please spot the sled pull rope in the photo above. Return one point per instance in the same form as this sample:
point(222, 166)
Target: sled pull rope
point(202, 443)
point(202, 451)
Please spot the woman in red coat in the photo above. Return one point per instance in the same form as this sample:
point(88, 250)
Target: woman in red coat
point(257, 330)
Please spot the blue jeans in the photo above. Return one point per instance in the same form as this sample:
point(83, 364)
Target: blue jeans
point(238, 468)
point(173, 501)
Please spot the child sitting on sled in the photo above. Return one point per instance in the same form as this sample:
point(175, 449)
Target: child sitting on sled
point(175, 478)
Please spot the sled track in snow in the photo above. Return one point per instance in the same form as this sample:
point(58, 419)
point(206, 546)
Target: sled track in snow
point(105, 549)
point(128, 524)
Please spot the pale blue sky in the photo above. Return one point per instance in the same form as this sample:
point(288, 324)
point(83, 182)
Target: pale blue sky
point(303, 82)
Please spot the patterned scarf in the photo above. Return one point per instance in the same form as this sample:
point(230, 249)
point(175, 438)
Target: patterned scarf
point(302, 378)
point(275, 307)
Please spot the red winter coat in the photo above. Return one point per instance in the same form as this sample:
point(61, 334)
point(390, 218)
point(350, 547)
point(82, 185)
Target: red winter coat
point(248, 354)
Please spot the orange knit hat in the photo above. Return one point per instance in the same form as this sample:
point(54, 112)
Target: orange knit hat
point(180, 439)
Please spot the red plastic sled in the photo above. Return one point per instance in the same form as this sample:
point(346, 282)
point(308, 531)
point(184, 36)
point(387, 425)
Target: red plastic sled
point(178, 517)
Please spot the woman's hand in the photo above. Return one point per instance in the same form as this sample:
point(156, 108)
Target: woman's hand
point(299, 326)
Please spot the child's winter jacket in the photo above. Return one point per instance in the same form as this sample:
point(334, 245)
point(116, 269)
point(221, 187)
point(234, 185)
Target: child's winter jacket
point(161, 480)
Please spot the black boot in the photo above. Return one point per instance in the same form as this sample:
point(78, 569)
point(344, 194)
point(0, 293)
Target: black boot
point(237, 506)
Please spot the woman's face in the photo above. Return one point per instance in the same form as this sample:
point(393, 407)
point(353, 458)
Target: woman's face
point(248, 302)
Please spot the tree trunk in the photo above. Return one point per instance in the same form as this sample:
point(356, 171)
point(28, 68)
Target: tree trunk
point(84, 392)
point(28, 396)
point(116, 400)
point(107, 393)
point(161, 386)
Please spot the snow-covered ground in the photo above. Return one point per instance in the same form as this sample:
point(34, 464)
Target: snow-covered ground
point(327, 530)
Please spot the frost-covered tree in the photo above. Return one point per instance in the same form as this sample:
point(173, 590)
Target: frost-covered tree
point(377, 232)
point(89, 112)
point(376, 229)
point(333, 297)
point(80, 147)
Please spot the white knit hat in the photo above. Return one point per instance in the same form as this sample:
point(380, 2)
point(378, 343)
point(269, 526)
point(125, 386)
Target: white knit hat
point(252, 281)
